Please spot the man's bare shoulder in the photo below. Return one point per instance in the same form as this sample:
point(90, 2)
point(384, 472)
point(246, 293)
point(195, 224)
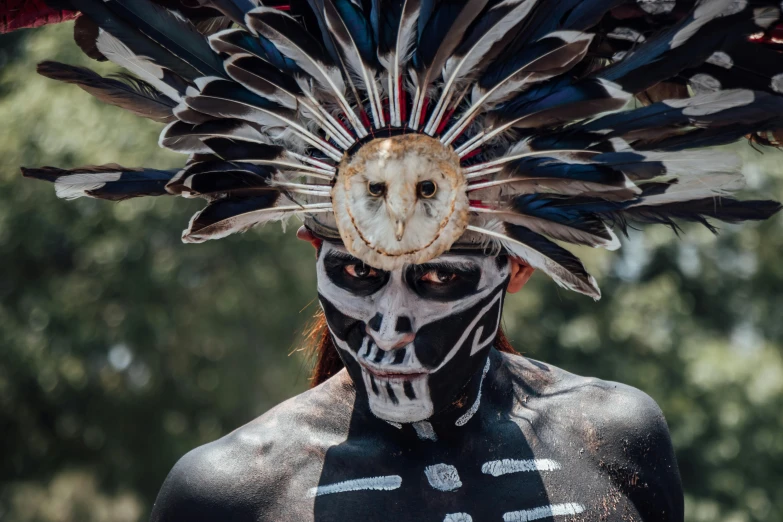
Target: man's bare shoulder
point(619, 427)
point(619, 406)
point(238, 475)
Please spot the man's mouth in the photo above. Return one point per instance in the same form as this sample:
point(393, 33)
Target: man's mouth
point(392, 374)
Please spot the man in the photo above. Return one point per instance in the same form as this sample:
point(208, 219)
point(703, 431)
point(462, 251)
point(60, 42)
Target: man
point(438, 152)
point(429, 422)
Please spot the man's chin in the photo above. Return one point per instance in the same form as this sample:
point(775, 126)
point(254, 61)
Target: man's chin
point(402, 414)
point(399, 399)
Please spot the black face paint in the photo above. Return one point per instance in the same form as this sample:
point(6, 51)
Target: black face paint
point(413, 338)
point(443, 281)
point(352, 275)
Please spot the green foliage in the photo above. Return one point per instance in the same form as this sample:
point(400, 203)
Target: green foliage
point(121, 348)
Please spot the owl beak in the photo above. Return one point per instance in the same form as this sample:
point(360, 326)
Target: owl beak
point(399, 229)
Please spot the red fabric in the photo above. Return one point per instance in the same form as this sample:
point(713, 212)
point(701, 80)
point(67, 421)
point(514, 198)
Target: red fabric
point(20, 14)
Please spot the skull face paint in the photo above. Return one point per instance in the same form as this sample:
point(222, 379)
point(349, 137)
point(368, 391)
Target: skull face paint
point(413, 338)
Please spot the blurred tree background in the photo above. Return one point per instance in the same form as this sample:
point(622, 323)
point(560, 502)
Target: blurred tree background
point(121, 348)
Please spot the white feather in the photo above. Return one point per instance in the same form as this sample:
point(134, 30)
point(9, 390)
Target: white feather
point(700, 187)
point(76, 185)
point(350, 52)
point(243, 222)
point(285, 98)
point(394, 62)
point(119, 53)
point(554, 230)
point(705, 12)
point(329, 77)
point(457, 69)
point(694, 163)
point(713, 102)
point(259, 115)
point(541, 261)
point(519, 79)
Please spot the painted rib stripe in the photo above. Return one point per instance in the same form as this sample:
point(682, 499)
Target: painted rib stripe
point(458, 517)
point(386, 483)
point(496, 468)
point(425, 431)
point(557, 510)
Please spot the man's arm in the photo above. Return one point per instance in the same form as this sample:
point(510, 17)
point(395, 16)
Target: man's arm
point(211, 483)
point(640, 459)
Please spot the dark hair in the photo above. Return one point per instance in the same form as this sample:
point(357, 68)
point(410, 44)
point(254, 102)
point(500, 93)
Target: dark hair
point(319, 346)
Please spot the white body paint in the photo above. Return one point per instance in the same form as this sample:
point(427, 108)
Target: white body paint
point(425, 431)
point(475, 406)
point(557, 510)
point(497, 468)
point(777, 83)
point(458, 517)
point(443, 477)
point(385, 483)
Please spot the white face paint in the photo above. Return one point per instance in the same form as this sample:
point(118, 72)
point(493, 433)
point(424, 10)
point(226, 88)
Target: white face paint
point(415, 336)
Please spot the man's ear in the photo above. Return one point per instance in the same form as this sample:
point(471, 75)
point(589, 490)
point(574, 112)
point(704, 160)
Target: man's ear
point(520, 274)
point(305, 235)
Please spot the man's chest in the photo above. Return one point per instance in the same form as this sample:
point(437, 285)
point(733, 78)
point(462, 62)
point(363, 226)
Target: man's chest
point(496, 478)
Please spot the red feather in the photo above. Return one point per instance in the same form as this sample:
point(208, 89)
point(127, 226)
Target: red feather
point(22, 14)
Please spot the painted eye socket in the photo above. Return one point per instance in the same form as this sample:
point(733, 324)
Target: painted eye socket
point(375, 189)
point(360, 271)
point(427, 189)
point(438, 277)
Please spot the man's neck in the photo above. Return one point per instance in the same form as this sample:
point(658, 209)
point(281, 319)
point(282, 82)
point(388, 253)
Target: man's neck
point(455, 418)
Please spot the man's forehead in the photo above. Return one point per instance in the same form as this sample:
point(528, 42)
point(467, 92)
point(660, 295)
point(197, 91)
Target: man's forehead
point(450, 257)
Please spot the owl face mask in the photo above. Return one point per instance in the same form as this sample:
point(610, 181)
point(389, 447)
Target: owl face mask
point(412, 338)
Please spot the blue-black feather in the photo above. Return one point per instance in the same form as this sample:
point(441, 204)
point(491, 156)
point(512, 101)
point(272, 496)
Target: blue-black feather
point(133, 182)
point(171, 32)
point(543, 167)
point(434, 31)
point(552, 209)
point(358, 24)
point(137, 42)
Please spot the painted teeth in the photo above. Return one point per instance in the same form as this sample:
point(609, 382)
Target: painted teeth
point(398, 399)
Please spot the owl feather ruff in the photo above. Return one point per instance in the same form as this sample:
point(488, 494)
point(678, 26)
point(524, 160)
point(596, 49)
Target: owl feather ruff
point(409, 127)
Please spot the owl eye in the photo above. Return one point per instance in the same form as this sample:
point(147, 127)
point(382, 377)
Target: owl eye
point(375, 189)
point(427, 189)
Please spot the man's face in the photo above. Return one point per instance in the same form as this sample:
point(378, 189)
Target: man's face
point(412, 339)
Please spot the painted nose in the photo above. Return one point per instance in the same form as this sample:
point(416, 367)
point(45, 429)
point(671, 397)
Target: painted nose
point(390, 332)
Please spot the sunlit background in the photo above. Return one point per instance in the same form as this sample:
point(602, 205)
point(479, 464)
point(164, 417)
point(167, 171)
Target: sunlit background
point(122, 348)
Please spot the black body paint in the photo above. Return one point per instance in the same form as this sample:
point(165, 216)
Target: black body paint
point(610, 440)
point(600, 451)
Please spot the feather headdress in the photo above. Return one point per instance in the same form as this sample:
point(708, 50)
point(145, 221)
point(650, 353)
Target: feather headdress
point(406, 127)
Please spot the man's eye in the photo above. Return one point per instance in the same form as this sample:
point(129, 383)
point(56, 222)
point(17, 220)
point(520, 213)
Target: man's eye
point(360, 271)
point(438, 277)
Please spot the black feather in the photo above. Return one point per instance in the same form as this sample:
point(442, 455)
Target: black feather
point(139, 43)
point(133, 95)
point(112, 182)
point(226, 216)
point(172, 32)
point(85, 33)
point(724, 209)
point(213, 178)
point(232, 150)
